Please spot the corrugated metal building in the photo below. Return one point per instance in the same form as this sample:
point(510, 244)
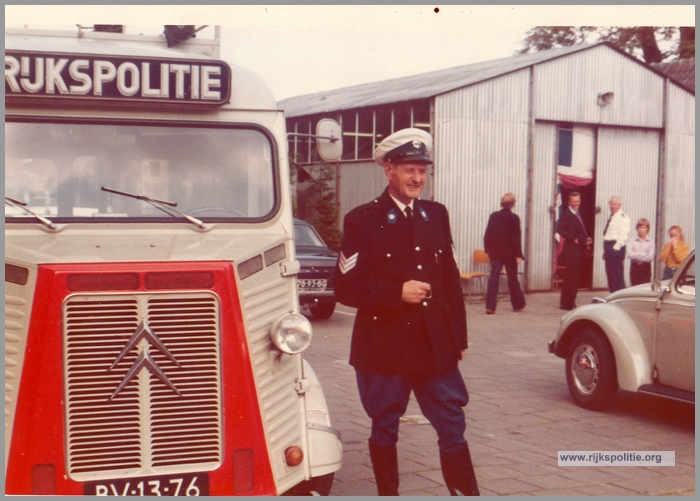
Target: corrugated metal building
point(511, 125)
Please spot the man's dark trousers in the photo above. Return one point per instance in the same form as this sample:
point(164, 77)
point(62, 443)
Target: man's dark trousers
point(440, 397)
point(517, 300)
point(614, 266)
point(572, 258)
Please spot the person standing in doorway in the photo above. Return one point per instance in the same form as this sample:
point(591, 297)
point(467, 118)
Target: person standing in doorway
point(503, 244)
point(615, 236)
point(397, 267)
point(576, 240)
point(641, 250)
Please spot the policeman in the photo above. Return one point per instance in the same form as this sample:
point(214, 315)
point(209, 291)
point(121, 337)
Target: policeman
point(397, 268)
point(615, 236)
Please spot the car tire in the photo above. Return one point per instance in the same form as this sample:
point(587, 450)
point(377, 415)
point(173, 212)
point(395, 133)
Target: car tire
point(322, 311)
point(590, 370)
point(317, 486)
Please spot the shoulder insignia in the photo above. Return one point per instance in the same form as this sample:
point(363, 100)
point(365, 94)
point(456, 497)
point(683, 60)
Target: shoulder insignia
point(347, 263)
point(391, 216)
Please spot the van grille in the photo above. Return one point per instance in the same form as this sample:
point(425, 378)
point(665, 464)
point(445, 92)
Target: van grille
point(143, 391)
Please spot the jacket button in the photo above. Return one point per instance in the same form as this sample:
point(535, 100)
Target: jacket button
point(418, 249)
point(374, 318)
point(425, 303)
point(388, 255)
point(420, 267)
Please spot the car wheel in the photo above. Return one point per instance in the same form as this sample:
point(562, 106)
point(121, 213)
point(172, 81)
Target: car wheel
point(317, 486)
point(590, 370)
point(322, 311)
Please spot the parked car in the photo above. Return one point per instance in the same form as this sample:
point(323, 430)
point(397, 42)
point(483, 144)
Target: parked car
point(315, 280)
point(640, 339)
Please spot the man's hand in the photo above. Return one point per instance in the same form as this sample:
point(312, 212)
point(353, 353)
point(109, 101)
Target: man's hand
point(461, 354)
point(518, 260)
point(414, 292)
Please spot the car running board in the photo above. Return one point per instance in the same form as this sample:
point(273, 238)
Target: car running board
point(668, 392)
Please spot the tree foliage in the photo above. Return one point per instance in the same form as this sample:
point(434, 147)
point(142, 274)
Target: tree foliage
point(644, 42)
point(316, 201)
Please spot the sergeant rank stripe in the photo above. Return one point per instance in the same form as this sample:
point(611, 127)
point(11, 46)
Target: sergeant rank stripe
point(347, 263)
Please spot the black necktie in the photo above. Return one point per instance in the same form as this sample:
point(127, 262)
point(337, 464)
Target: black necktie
point(607, 224)
point(581, 220)
point(409, 215)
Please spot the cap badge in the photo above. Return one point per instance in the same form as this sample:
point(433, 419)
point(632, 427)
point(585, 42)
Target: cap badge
point(416, 143)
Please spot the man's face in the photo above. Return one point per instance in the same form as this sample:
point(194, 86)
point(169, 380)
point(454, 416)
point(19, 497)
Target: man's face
point(614, 205)
point(575, 203)
point(406, 180)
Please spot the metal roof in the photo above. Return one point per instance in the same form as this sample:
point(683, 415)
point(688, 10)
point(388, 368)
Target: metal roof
point(424, 85)
point(682, 70)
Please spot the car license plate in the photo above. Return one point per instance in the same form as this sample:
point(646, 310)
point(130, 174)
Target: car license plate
point(315, 284)
point(187, 484)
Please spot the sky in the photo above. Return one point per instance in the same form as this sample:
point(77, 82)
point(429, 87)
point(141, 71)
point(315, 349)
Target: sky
point(301, 49)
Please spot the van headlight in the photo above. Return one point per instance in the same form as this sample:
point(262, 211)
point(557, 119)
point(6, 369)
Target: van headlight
point(292, 333)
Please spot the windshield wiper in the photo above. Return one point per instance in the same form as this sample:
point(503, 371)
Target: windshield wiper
point(162, 205)
point(23, 206)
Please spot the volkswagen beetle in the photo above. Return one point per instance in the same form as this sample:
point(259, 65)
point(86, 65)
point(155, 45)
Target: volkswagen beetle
point(640, 339)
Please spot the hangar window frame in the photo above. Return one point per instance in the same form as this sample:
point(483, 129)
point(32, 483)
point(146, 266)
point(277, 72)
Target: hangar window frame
point(362, 129)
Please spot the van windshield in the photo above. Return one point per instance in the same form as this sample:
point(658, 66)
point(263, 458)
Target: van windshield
point(59, 169)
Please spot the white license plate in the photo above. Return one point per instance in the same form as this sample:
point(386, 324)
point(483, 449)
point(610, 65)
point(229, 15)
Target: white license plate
point(315, 284)
point(188, 484)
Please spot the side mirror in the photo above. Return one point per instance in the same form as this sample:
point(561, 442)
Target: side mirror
point(329, 140)
point(655, 284)
point(663, 290)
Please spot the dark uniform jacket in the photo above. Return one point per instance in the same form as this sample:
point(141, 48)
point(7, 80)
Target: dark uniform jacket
point(571, 228)
point(379, 252)
point(503, 236)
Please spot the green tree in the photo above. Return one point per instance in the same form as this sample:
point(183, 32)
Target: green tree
point(316, 201)
point(640, 41)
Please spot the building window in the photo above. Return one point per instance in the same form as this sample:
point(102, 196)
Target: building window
point(363, 129)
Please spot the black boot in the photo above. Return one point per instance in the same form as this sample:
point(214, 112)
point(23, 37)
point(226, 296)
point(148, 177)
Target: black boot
point(385, 463)
point(458, 472)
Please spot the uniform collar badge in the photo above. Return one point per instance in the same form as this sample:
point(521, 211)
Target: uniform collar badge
point(424, 214)
point(391, 216)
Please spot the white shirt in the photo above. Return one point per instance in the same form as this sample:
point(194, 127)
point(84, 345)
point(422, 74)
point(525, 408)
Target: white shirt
point(618, 230)
point(402, 206)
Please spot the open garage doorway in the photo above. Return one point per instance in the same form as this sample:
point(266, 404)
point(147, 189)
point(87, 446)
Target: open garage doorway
point(576, 153)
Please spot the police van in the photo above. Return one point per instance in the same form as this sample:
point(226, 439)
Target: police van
point(153, 341)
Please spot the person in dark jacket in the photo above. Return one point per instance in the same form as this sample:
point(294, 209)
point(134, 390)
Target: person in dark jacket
point(502, 242)
point(397, 267)
point(576, 240)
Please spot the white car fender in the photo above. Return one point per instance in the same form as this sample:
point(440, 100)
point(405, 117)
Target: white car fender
point(325, 446)
point(631, 356)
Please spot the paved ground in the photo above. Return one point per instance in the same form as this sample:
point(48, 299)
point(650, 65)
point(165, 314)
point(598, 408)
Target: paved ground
point(519, 416)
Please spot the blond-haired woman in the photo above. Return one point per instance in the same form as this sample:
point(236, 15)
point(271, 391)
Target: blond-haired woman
point(674, 252)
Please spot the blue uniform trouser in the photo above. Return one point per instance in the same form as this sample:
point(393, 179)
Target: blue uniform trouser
point(614, 266)
point(517, 300)
point(440, 397)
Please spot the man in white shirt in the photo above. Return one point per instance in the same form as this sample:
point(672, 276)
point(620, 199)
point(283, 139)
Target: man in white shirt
point(615, 236)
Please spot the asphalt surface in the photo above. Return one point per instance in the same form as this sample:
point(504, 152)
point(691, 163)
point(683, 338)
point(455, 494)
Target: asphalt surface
point(520, 415)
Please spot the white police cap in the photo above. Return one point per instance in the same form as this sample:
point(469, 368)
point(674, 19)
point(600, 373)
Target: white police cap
point(405, 145)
